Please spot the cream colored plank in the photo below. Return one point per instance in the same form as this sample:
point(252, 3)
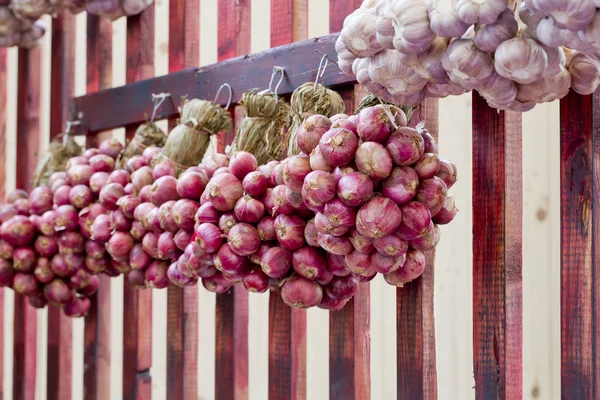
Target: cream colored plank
point(383, 340)
point(317, 354)
point(318, 17)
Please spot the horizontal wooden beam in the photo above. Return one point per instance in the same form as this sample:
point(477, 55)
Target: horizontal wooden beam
point(132, 103)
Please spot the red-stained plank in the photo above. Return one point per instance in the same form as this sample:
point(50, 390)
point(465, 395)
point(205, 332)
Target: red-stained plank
point(339, 10)
point(580, 244)
point(137, 305)
point(3, 118)
point(231, 358)
point(287, 326)
point(28, 128)
point(96, 354)
point(182, 329)
point(416, 367)
point(62, 81)
point(497, 252)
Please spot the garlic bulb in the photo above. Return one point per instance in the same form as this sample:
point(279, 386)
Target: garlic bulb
point(134, 7)
point(567, 14)
point(359, 33)
point(556, 60)
point(411, 100)
point(10, 39)
point(585, 73)
point(489, 37)
point(107, 8)
point(444, 20)
point(499, 91)
point(9, 24)
point(546, 89)
point(466, 65)
point(386, 68)
point(428, 64)
point(405, 25)
point(74, 6)
point(480, 11)
point(31, 37)
point(440, 90)
point(591, 33)
point(549, 34)
point(360, 68)
point(530, 19)
point(32, 9)
point(345, 58)
point(516, 105)
point(521, 59)
point(369, 4)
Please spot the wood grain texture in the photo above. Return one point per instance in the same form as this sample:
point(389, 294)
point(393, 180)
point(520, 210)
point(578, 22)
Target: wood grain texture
point(3, 123)
point(497, 252)
point(97, 352)
point(416, 363)
point(28, 141)
point(289, 21)
point(62, 87)
point(580, 244)
point(137, 307)
point(182, 330)
point(128, 105)
point(339, 10)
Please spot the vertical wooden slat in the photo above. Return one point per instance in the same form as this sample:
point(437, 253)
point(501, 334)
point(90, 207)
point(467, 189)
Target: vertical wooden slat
point(182, 329)
point(28, 128)
point(580, 244)
point(97, 322)
point(62, 86)
point(349, 343)
point(137, 304)
point(231, 358)
point(287, 326)
point(497, 252)
point(3, 118)
point(417, 373)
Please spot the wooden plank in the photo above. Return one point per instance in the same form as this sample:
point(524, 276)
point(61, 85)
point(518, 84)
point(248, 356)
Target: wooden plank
point(62, 82)
point(182, 329)
point(137, 304)
point(580, 241)
point(3, 123)
point(128, 104)
point(96, 353)
point(287, 326)
point(231, 358)
point(28, 128)
point(339, 10)
point(417, 372)
point(497, 252)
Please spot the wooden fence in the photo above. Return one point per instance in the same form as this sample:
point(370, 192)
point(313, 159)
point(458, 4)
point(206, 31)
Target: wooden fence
point(497, 242)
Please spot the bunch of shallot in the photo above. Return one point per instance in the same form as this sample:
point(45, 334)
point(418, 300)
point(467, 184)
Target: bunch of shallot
point(406, 50)
point(366, 195)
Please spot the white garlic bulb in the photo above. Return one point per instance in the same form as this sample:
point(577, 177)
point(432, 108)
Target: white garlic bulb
point(31, 37)
point(134, 7)
point(530, 19)
point(489, 37)
point(405, 25)
point(360, 68)
point(368, 4)
point(557, 60)
point(386, 68)
point(441, 90)
point(428, 64)
point(546, 89)
point(480, 11)
point(585, 73)
point(466, 65)
point(549, 34)
point(32, 9)
point(591, 33)
point(499, 91)
point(521, 59)
point(345, 58)
point(9, 24)
point(444, 20)
point(411, 100)
point(359, 33)
point(567, 14)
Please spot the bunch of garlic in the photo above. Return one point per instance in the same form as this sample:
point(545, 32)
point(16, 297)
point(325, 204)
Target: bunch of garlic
point(515, 53)
point(115, 9)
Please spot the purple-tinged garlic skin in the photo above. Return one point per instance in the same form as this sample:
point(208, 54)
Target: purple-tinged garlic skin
point(359, 33)
point(405, 26)
point(499, 91)
point(466, 65)
point(345, 58)
point(444, 20)
point(480, 12)
point(31, 9)
point(556, 60)
point(567, 14)
point(585, 73)
point(591, 33)
point(488, 37)
point(360, 69)
point(428, 64)
point(441, 90)
point(521, 59)
point(546, 89)
point(387, 69)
